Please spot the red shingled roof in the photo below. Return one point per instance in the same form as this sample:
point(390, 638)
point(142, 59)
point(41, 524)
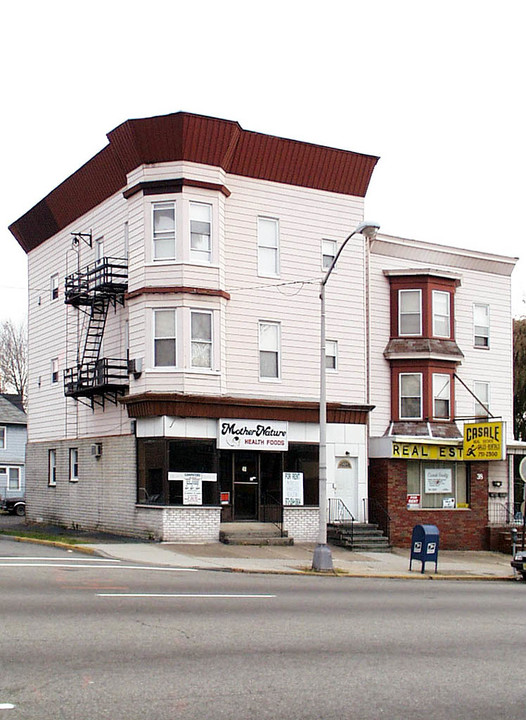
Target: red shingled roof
point(199, 139)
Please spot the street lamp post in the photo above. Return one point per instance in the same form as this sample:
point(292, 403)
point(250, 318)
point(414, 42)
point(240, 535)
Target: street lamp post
point(322, 558)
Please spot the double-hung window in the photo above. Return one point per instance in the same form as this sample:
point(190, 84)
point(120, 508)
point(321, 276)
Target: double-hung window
point(441, 320)
point(54, 287)
point(164, 231)
point(331, 354)
point(52, 468)
point(200, 232)
point(268, 247)
point(481, 325)
point(3, 438)
point(201, 328)
point(164, 338)
point(73, 464)
point(13, 479)
point(441, 396)
point(410, 396)
point(481, 392)
point(410, 312)
point(328, 253)
point(54, 370)
point(269, 350)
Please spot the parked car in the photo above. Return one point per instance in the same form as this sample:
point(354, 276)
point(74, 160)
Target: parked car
point(519, 562)
point(14, 506)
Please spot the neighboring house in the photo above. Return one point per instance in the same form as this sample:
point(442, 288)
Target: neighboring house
point(13, 438)
point(174, 357)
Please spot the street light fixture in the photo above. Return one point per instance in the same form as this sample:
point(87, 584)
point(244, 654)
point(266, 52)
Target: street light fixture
point(322, 558)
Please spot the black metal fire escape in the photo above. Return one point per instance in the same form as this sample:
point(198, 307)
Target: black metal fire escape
point(93, 291)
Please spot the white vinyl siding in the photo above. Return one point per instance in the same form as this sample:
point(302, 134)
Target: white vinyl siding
point(164, 341)
point(268, 247)
point(441, 396)
point(409, 312)
point(200, 232)
point(481, 325)
point(441, 319)
point(410, 396)
point(201, 329)
point(164, 231)
point(269, 350)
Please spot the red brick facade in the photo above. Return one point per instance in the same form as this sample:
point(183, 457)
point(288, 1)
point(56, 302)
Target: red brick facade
point(460, 529)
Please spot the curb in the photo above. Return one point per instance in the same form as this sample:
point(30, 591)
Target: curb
point(54, 543)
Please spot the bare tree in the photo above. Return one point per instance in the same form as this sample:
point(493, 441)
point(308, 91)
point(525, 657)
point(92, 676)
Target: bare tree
point(13, 357)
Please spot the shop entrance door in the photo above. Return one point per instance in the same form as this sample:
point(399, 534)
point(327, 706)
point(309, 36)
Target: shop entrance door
point(246, 486)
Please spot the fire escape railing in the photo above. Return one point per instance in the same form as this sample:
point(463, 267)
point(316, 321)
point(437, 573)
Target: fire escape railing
point(93, 290)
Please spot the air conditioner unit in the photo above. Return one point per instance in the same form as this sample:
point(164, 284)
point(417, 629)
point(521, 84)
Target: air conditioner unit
point(96, 450)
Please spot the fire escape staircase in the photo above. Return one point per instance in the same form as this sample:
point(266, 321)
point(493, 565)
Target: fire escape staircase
point(95, 379)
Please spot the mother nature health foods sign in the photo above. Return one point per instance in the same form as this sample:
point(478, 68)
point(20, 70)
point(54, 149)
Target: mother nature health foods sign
point(253, 435)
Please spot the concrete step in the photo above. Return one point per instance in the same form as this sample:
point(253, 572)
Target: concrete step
point(253, 533)
point(253, 540)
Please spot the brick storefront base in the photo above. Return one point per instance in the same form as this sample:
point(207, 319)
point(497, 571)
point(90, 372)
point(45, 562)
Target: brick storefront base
point(180, 524)
point(460, 529)
point(301, 523)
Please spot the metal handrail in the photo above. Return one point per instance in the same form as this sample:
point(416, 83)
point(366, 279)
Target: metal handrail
point(339, 514)
point(378, 514)
point(105, 274)
point(504, 514)
point(272, 510)
point(96, 374)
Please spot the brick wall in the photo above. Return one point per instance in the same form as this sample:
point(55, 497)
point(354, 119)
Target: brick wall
point(460, 529)
point(301, 523)
point(191, 524)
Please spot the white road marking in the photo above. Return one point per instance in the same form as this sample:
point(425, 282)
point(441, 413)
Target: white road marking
point(6, 706)
point(54, 559)
point(102, 567)
point(181, 595)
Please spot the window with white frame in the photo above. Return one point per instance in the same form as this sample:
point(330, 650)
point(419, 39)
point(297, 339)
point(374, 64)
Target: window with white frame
point(164, 338)
point(269, 350)
point(99, 249)
point(73, 464)
point(3, 438)
point(164, 231)
point(481, 392)
point(13, 479)
point(481, 325)
point(331, 354)
point(410, 390)
point(200, 232)
point(54, 370)
point(126, 240)
point(54, 286)
point(441, 313)
point(328, 253)
point(441, 396)
point(52, 467)
point(410, 312)
point(268, 247)
point(201, 330)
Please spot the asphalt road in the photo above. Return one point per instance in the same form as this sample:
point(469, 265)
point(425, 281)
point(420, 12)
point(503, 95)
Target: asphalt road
point(87, 639)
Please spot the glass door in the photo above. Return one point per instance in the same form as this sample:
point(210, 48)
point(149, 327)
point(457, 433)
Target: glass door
point(246, 486)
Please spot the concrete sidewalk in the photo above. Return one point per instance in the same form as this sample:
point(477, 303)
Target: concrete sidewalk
point(296, 559)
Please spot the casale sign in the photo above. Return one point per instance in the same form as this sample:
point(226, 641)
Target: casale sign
point(252, 435)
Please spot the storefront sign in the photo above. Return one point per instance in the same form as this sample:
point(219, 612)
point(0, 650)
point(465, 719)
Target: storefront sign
point(438, 480)
point(192, 491)
point(484, 441)
point(292, 488)
point(253, 435)
point(421, 451)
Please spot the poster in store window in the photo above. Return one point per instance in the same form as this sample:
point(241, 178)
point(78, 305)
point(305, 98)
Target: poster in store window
point(292, 488)
point(438, 480)
point(192, 491)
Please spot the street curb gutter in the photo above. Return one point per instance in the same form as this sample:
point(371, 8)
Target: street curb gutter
point(54, 543)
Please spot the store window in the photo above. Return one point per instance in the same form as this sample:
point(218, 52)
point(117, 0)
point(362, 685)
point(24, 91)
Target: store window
point(438, 485)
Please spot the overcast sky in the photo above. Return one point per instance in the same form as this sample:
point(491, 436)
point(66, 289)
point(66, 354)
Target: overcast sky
point(436, 89)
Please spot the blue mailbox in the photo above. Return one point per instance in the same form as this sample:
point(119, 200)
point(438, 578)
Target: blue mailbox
point(424, 545)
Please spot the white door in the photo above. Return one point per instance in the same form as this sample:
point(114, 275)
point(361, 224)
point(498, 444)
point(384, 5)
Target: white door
point(346, 484)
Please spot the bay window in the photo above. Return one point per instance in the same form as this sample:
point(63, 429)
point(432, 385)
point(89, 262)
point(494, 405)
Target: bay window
point(164, 231)
point(441, 396)
point(164, 340)
point(441, 321)
point(410, 312)
point(410, 396)
point(201, 342)
point(200, 232)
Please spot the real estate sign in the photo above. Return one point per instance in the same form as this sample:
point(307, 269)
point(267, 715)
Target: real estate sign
point(484, 441)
